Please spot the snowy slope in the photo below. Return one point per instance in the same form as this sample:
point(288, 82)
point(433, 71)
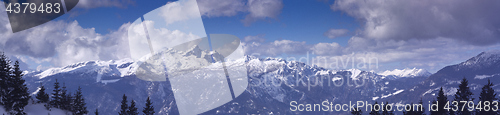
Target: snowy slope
point(39, 109)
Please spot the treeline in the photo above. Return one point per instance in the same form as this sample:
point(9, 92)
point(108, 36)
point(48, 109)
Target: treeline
point(486, 99)
point(14, 94)
point(463, 98)
point(62, 99)
point(125, 109)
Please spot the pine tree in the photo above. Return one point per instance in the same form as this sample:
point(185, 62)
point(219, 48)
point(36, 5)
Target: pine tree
point(66, 99)
point(373, 112)
point(124, 106)
point(5, 82)
point(420, 111)
point(132, 110)
point(56, 96)
point(487, 95)
point(42, 96)
point(79, 105)
point(385, 111)
point(410, 112)
point(441, 101)
point(463, 94)
point(96, 112)
point(149, 109)
point(20, 94)
point(355, 111)
point(434, 108)
point(3, 78)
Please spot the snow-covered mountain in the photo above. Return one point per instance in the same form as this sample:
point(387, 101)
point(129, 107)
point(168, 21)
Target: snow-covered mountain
point(477, 70)
point(406, 72)
point(273, 83)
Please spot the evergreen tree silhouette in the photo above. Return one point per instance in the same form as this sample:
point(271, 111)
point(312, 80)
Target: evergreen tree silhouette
point(385, 111)
point(355, 111)
point(20, 94)
point(79, 105)
point(463, 94)
point(441, 101)
point(124, 106)
point(373, 112)
point(487, 95)
point(148, 109)
point(419, 111)
point(66, 99)
point(3, 79)
point(6, 82)
point(411, 110)
point(132, 110)
point(42, 96)
point(14, 94)
point(56, 96)
point(434, 108)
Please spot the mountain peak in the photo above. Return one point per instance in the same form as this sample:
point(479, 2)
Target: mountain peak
point(121, 67)
point(484, 58)
point(407, 72)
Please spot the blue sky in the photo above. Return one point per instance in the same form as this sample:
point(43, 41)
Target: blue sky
point(399, 34)
point(298, 20)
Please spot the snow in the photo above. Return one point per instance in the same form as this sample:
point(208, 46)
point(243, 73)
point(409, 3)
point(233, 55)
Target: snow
point(336, 78)
point(391, 94)
point(482, 76)
point(110, 81)
point(269, 69)
point(406, 72)
point(355, 73)
point(397, 92)
point(123, 67)
point(483, 58)
point(35, 92)
point(38, 109)
point(428, 91)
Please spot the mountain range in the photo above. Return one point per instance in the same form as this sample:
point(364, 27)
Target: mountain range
point(273, 84)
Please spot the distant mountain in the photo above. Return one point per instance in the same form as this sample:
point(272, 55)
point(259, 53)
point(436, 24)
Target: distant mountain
point(406, 73)
point(477, 70)
point(273, 83)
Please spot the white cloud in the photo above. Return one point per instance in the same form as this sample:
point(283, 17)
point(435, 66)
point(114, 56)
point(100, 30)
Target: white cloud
point(62, 43)
point(370, 54)
point(180, 11)
point(258, 38)
point(327, 49)
point(262, 9)
point(83, 44)
point(254, 45)
point(471, 22)
point(423, 34)
point(430, 54)
point(333, 33)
